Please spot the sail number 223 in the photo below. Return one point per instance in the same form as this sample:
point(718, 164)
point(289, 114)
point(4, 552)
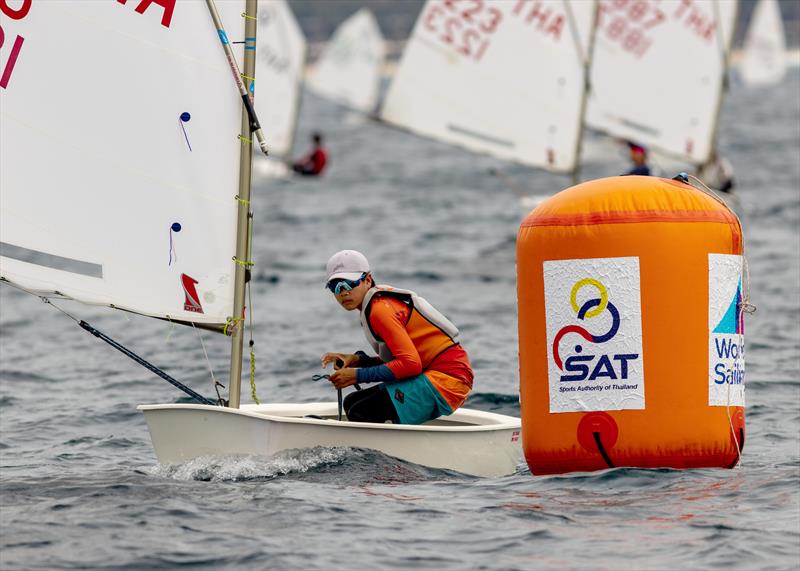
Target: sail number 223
point(464, 25)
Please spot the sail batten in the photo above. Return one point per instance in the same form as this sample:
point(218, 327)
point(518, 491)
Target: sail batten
point(51, 260)
point(119, 188)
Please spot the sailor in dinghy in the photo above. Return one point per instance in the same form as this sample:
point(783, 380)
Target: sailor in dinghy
point(423, 370)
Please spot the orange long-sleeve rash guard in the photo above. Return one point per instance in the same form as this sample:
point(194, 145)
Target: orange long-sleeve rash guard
point(388, 318)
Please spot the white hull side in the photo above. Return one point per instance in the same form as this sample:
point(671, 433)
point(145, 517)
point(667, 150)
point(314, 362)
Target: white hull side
point(468, 441)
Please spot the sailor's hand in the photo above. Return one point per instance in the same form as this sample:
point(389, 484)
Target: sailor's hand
point(343, 378)
point(339, 360)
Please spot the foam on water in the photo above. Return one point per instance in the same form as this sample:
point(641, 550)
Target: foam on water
point(238, 468)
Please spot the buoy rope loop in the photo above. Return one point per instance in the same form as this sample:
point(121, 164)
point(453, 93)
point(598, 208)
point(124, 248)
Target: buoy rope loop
point(701, 186)
point(746, 306)
point(600, 448)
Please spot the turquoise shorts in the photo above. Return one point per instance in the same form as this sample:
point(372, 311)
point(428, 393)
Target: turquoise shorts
point(416, 400)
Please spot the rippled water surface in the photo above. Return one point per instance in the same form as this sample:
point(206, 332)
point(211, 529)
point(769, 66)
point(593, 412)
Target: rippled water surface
point(80, 487)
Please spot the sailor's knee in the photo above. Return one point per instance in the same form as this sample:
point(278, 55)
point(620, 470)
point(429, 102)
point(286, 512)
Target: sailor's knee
point(350, 400)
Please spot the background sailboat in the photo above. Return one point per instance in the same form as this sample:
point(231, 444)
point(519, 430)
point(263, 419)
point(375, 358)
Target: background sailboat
point(280, 65)
point(764, 56)
point(658, 72)
point(506, 79)
point(350, 67)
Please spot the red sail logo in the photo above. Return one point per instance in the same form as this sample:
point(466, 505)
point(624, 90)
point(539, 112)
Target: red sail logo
point(192, 302)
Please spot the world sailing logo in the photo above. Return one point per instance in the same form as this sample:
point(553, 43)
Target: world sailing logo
point(593, 316)
point(609, 366)
point(726, 331)
point(192, 300)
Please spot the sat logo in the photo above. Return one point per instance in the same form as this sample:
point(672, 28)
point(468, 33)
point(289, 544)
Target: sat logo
point(594, 334)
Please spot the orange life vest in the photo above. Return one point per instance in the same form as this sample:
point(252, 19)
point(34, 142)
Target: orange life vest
point(430, 331)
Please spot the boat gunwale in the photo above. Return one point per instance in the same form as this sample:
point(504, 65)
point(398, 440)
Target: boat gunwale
point(508, 422)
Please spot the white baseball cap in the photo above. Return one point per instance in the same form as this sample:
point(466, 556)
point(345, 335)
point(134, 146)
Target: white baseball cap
point(347, 264)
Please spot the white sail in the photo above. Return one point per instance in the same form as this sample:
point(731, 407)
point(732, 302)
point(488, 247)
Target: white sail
point(120, 155)
point(658, 71)
point(349, 69)
point(280, 64)
point(764, 58)
point(502, 78)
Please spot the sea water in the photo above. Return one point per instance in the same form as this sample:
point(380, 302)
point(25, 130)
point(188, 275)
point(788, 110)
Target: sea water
point(80, 487)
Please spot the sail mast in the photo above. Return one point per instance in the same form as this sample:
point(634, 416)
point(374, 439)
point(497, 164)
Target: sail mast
point(585, 55)
point(724, 49)
point(243, 217)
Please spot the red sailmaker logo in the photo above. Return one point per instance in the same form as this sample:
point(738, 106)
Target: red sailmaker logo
point(192, 302)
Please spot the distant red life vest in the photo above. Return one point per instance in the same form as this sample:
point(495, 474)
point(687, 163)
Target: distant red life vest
point(317, 161)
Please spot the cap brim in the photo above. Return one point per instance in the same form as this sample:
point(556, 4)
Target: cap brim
point(345, 275)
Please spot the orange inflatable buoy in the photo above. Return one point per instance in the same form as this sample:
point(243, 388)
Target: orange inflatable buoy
point(630, 328)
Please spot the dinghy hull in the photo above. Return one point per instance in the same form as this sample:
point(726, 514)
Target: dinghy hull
point(468, 441)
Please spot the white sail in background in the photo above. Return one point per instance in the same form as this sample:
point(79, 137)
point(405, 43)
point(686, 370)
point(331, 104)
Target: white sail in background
point(349, 69)
point(764, 57)
point(658, 71)
point(280, 64)
point(502, 78)
point(119, 178)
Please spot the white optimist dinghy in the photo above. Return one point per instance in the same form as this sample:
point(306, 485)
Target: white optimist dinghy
point(469, 441)
point(349, 70)
point(506, 79)
point(659, 76)
point(180, 250)
point(764, 59)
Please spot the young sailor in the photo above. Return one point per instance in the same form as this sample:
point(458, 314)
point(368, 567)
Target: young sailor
point(421, 369)
point(315, 161)
point(638, 154)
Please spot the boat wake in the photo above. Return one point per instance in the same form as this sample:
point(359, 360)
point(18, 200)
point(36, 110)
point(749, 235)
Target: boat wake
point(237, 468)
point(343, 464)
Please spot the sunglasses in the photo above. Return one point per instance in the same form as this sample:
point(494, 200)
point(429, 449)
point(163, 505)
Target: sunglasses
point(339, 285)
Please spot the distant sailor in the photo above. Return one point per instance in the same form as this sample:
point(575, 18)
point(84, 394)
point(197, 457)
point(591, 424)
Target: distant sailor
point(717, 173)
point(638, 154)
point(315, 161)
point(422, 370)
